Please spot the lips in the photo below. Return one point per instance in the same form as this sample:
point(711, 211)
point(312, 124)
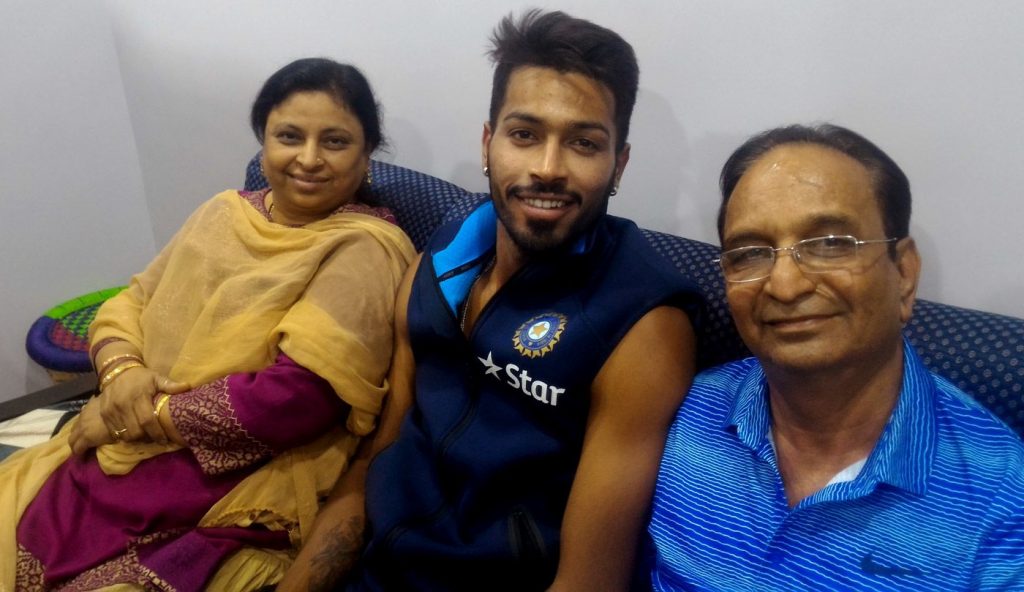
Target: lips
point(796, 322)
point(309, 178)
point(308, 183)
point(544, 200)
point(545, 204)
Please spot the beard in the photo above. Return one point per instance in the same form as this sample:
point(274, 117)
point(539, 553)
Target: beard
point(541, 236)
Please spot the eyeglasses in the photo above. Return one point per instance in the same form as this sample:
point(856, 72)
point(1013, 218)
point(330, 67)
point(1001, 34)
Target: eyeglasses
point(814, 255)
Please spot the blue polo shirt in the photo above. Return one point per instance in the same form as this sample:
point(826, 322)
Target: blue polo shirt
point(938, 504)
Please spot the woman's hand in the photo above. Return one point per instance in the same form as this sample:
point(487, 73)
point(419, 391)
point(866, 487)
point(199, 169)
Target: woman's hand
point(126, 404)
point(89, 431)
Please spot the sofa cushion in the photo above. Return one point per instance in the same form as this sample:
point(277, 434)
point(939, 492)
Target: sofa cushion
point(981, 353)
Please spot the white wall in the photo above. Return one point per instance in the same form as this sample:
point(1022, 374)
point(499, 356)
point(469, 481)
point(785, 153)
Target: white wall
point(936, 83)
point(72, 218)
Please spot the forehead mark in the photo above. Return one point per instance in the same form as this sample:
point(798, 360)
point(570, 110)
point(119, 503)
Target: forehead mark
point(808, 181)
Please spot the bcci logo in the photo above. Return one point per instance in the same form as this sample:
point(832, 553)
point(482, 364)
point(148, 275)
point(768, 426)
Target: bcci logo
point(538, 336)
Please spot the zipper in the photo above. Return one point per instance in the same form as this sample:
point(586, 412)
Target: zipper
point(469, 411)
point(525, 536)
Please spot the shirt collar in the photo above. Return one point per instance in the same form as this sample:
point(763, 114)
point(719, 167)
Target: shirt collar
point(905, 452)
point(749, 414)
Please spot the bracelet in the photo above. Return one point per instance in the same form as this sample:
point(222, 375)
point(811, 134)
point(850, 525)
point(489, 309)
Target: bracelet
point(160, 404)
point(102, 368)
point(113, 374)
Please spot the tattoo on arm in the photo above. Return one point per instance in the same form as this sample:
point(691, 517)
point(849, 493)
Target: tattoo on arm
point(339, 555)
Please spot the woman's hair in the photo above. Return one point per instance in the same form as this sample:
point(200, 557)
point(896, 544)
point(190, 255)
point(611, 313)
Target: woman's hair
point(345, 83)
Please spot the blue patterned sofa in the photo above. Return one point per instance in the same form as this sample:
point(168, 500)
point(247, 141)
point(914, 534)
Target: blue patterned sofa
point(982, 353)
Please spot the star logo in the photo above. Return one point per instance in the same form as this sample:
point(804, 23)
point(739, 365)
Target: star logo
point(492, 368)
point(539, 330)
point(538, 336)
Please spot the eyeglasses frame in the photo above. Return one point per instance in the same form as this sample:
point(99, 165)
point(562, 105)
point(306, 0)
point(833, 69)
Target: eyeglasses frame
point(794, 250)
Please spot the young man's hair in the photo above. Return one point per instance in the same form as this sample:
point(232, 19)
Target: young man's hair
point(566, 44)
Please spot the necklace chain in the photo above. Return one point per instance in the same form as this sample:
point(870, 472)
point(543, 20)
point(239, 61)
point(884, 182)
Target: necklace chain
point(469, 295)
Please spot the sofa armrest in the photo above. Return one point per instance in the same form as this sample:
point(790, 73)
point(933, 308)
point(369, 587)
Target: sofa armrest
point(76, 388)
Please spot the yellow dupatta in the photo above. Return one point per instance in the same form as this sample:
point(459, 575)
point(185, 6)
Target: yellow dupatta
point(228, 292)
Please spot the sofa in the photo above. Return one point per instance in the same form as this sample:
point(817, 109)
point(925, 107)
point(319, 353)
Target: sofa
point(980, 352)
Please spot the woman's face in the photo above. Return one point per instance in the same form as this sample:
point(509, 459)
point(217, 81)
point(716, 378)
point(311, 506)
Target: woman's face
point(314, 156)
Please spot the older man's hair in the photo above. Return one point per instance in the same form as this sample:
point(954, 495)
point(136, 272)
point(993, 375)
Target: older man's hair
point(891, 187)
point(566, 44)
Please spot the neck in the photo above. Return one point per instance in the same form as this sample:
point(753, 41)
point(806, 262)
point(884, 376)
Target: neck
point(508, 258)
point(824, 421)
point(827, 409)
point(280, 214)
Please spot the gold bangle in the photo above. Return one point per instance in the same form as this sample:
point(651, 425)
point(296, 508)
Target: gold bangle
point(160, 404)
point(113, 374)
point(103, 367)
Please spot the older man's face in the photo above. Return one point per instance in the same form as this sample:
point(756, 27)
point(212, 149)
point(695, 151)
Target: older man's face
point(793, 319)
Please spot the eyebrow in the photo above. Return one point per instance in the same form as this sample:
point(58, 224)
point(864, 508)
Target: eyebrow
point(330, 130)
point(575, 125)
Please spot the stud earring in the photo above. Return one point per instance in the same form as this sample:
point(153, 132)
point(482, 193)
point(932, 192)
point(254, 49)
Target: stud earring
point(369, 176)
point(614, 191)
point(487, 171)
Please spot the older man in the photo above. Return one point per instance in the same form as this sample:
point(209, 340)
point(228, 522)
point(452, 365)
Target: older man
point(833, 460)
point(541, 353)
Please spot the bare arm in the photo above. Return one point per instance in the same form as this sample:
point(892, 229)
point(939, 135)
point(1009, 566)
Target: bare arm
point(336, 540)
point(633, 400)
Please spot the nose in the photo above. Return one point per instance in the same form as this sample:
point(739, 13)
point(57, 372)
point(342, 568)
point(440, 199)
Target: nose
point(309, 155)
point(787, 282)
point(550, 163)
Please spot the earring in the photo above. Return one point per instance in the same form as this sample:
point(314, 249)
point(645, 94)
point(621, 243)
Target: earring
point(487, 171)
point(369, 176)
point(614, 191)
point(262, 174)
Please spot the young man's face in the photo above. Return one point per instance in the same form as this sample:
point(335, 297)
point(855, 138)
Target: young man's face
point(552, 157)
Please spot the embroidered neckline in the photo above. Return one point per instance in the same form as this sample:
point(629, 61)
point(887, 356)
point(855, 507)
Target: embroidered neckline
point(256, 199)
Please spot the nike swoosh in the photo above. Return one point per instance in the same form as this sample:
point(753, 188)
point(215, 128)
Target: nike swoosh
point(868, 565)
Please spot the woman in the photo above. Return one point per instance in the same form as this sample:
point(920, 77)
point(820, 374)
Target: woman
point(238, 371)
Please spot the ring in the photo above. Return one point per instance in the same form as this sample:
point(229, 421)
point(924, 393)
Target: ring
point(118, 433)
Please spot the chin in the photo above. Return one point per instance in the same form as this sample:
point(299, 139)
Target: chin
point(807, 355)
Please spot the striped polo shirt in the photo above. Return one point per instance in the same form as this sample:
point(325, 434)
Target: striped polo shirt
point(938, 504)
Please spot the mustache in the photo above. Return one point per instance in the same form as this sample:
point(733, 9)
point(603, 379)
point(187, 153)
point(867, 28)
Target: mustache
point(557, 188)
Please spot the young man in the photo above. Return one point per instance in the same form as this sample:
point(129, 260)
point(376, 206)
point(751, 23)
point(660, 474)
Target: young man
point(542, 352)
point(833, 460)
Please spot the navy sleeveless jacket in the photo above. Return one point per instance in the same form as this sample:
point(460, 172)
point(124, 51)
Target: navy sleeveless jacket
point(471, 494)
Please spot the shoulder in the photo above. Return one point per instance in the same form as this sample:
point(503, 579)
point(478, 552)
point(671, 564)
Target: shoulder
point(230, 202)
point(215, 214)
point(714, 392)
point(978, 459)
point(630, 260)
point(723, 383)
point(976, 436)
point(469, 233)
